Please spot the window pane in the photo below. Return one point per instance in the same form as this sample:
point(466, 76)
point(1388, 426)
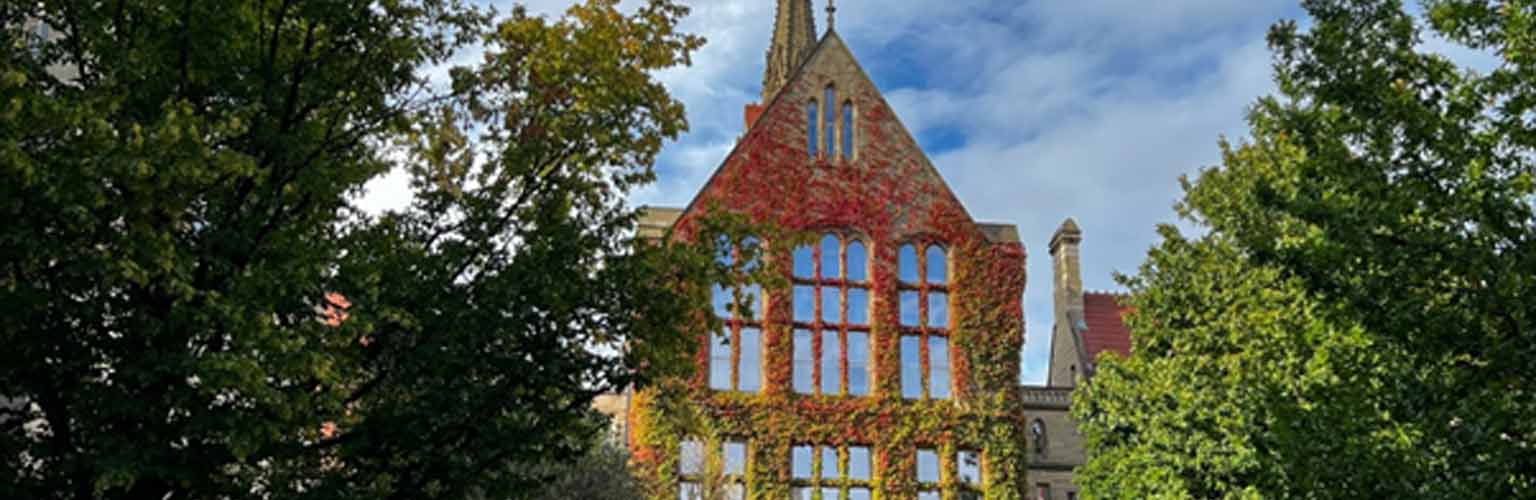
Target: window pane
point(750, 243)
point(721, 298)
point(735, 492)
point(911, 367)
point(689, 491)
point(858, 493)
point(831, 371)
point(938, 309)
point(811, 126)
point(927, 495)
point(938, 367)
point(858, 363)
point(831, 310)
point(805, 304)
point(858, 262)
point(968, 466)
point(831, 120)
point(735, 453)
point(858, 463)
point(805, 262)
point(847, 131)
point(829, 494)
point(938, 270)
point(828, 462)
point(804, 362)
point(723, 250)
point(751, 360)
point(858, 306)
point(800, 462)
point(909, 308)
point(798, 493)
point(906, 264)
point(720, 361)
point(753, 295)
point(690, 458)
point(927, 466)
point(831, 254)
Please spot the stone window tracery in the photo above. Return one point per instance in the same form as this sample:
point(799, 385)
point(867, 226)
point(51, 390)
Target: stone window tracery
point(922, 275)
point(831, 295)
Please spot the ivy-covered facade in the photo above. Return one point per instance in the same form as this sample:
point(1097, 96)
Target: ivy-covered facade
point(888, 367)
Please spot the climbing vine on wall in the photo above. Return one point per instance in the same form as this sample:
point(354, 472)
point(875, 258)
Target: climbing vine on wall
point(887, 197)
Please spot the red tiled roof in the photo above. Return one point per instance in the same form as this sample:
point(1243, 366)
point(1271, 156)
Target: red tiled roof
point(1103, 313)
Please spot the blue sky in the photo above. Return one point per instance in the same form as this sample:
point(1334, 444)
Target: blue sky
point(1032, 110)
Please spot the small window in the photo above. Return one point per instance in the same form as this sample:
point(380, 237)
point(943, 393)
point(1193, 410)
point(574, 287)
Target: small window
point(907, 264)
point(858, 262)
point(750, 378)
point(927, 465)
point(800, 462)
point(812, 112)
point(848, 130)
point(858, 364)
point(831, 121)
point(938, 270)
point(1038, 436)
point(911, 367)
point(829, 463)
point(968, 467)
point(938, 367)
point(735, 453)
point(1043, 491)
point(830, 371)
point(858, 463)
point(720, 361)
point(690, 458)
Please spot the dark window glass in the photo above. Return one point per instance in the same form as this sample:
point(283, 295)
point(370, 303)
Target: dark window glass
point(848, 131)
point(830, 122)
point(812, 127)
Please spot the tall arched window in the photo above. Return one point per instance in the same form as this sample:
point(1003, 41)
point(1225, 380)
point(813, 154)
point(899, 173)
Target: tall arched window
point(830, 123)
point(812, 127)
point(848, 130)
point(831, 318)
point(923, 304)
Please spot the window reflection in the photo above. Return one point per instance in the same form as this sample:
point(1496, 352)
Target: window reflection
point(830, 308)
point(831, 253)
point(938, 270)
point(968, 467)
point(858, 262)
point(848, 131)
point(927, 465)
point(906, 264)
point(804, 362)
point(938, 367)
point(690, 457)
point(751, 360)
point(858, 463)
point(720, 361)
point(910, 308)
point(938, 309)
point(911, 368)
point(830, 372)
point(735, 454)
point(812, 112)
point(805, 303)
point(858, 363)
point(805, 262)
point(800, 462)
point(829, 462)
point(858, 306)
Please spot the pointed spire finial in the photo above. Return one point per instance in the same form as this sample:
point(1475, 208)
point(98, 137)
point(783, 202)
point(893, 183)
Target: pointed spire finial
point(831, 15)
point(794, 35)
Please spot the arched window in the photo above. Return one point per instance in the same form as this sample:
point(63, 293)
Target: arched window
point(812, 127)
point(1037, 436)
point(831, 317)
point(830, 123)
point(848, 130)
point(922, 274)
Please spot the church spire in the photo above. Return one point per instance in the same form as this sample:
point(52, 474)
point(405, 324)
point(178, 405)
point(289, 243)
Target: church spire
point(794, 35)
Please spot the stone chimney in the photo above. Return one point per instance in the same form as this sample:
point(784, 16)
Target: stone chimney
point(1067, 295)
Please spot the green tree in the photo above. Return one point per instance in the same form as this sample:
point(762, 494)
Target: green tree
point(1355, 320)
point(177, 182)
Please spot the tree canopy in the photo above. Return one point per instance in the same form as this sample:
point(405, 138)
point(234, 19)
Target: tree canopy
point(195, 307)
point(1354, 319)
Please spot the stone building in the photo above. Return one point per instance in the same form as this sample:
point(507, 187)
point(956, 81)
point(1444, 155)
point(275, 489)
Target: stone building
point(889, 369)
